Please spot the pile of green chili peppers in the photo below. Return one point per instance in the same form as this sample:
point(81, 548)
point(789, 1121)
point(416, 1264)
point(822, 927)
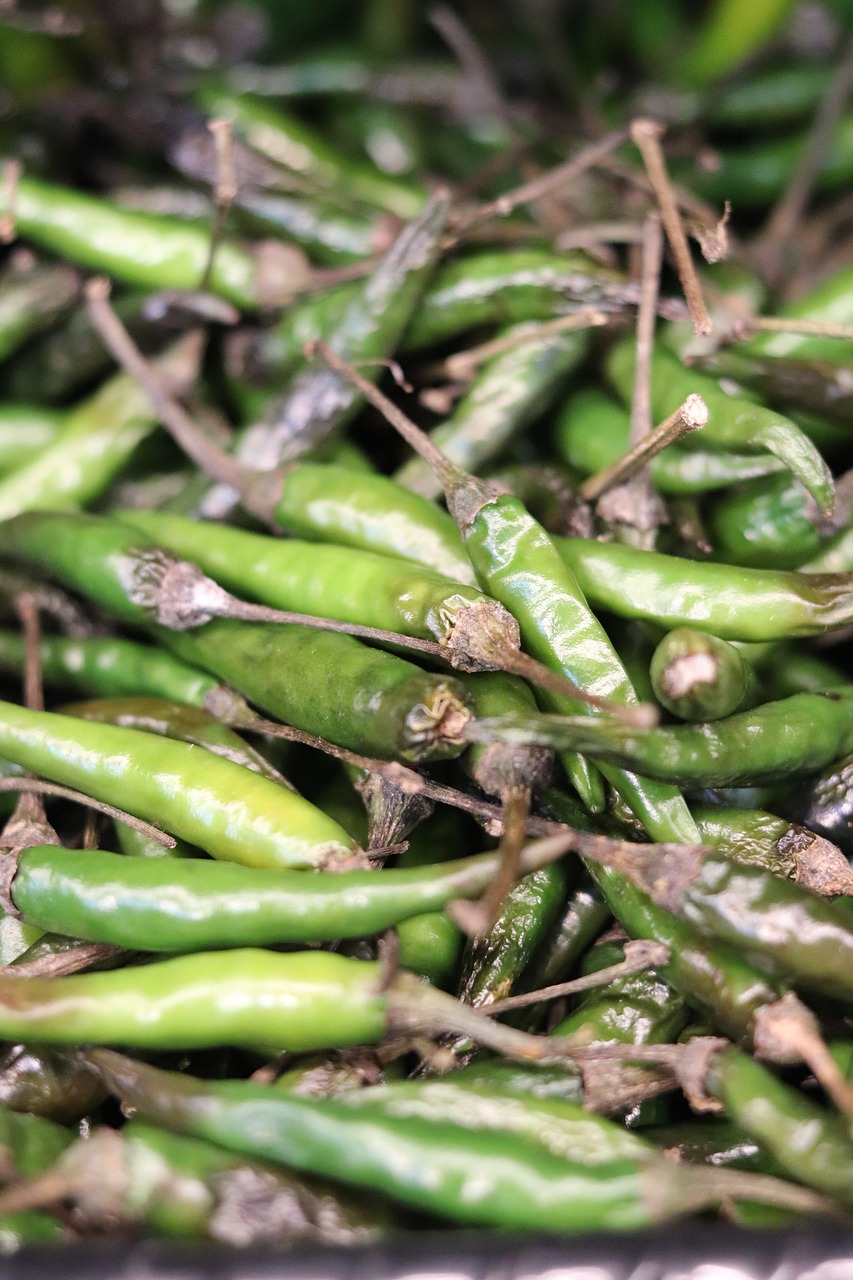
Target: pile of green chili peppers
point(414, 813)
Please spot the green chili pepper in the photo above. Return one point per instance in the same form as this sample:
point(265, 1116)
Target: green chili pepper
point(733, 421)
point(813, 387)
point(830, 302)
point(804, 1138)
point(157, 904)
point(584, 916)
point(697, 676)
point(824, 803)
point(324, 581)
point(25, 431)
point(153, 252)
point(795, 735)
point(770, 97)
point(222, 807)
point(776, 845)
point(507, 393)
point(97, 439)
point(786, 668)
point(326, 232)
point(727, 37)
point(592, 432)
point(731, 602)
point(106, 667)
point(30, 299)
point(30, 1145)
point(443, 1168)
point(765, 523)
point(176, 720)
point(47, 1082)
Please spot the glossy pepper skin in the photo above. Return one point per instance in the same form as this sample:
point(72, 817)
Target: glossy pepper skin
point(731, 602)
point(518, 565)
point(151, 251)
point(158, 904)
point(441, 1167)
point(97, 439)
point(765, 524)
point(733, 422)
point(228, 811)
point(325, 581)
point(302, 1000)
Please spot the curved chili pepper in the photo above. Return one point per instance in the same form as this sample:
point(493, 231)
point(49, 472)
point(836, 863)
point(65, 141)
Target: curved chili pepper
point(734, 422)
point(156, 904)
point(25, 431)
point(731, 602)
point(797, 735)
point(151, 251)
point(765, 523)
point(776, 845)
point(430, 1166)
point(697, 676)
point(226, 810)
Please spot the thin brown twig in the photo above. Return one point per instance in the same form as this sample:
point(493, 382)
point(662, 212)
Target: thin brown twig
point(64, 962)
point(479, 918)
point(11, 178)
point(463, 364)
point(65, 793)
point(690, 416)
point(646, 134)
point(652, 248)
point(785, 324)
point(224, 192)
point(639, 955)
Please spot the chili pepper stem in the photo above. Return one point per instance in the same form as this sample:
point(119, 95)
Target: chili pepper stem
point(40, 787)
point(477, 919)
point(48, 1188)
point(690, 416)
point(788, 1028)
point(640, 954)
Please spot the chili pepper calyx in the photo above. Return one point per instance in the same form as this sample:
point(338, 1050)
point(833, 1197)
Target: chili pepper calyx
point(693, 1067)
point(820, 865)
point(780, 1028)
point(8, 871)
point(174, 592)
point(481, 636)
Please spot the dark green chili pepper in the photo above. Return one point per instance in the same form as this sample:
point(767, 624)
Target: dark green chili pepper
point(697, 676)
point(795, 735)
point(103, 666)
point(25, 431)
point(592, 432)
point(222, 807)
point(498, 770)
point(804, 1138)
point(584, 916)
point(765, 523)
point(431, 944)
point(492, 963)
point(153, 252)
point(710, 1140)
point(191, 1189)
point(771, 96)
point(358, 697)
point(506, 394)
point(786, 668)
point(97, 439)
point(324, 581)
point(727, 37)
point(326, 233)
point(825, 804)
point(176, 720)
point(443, 1168)
point(776, 845)
point(157, 904)
point(831, 303)
point(793, 932)
point(31, 298)
point(731, 602)
point(734, 422)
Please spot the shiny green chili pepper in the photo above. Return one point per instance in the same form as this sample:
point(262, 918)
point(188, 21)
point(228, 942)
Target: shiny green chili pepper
point(496, 769)
point(731, 602)
point(710, 1140)
point(225, 809)
point(584, 916)
point(592, 432)
point(793, 736)
point(97, 439)
point(825, 803)
point(734, 423)
point(47, 1082)
point(507, 393)
point(831, 302)
point(322, 580)
point(765, 524)
point(818, 387)
point(441, 1167)
point(151, 251)
point(157, 904)
point(176, 720)
point(103, 666)
point(30, 300)
point(697, 676)
point(326, 233)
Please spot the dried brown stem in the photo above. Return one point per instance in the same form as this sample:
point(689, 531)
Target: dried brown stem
point(690, 416)
point(639, 955)
point(225, 189)
point(65, 793)
point(652, 248)
point(479, 918)
point(74, 960)
point(462, 365)
point(646, 134)
point(783, 324)
point(11, 178)
point(787, 1031)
